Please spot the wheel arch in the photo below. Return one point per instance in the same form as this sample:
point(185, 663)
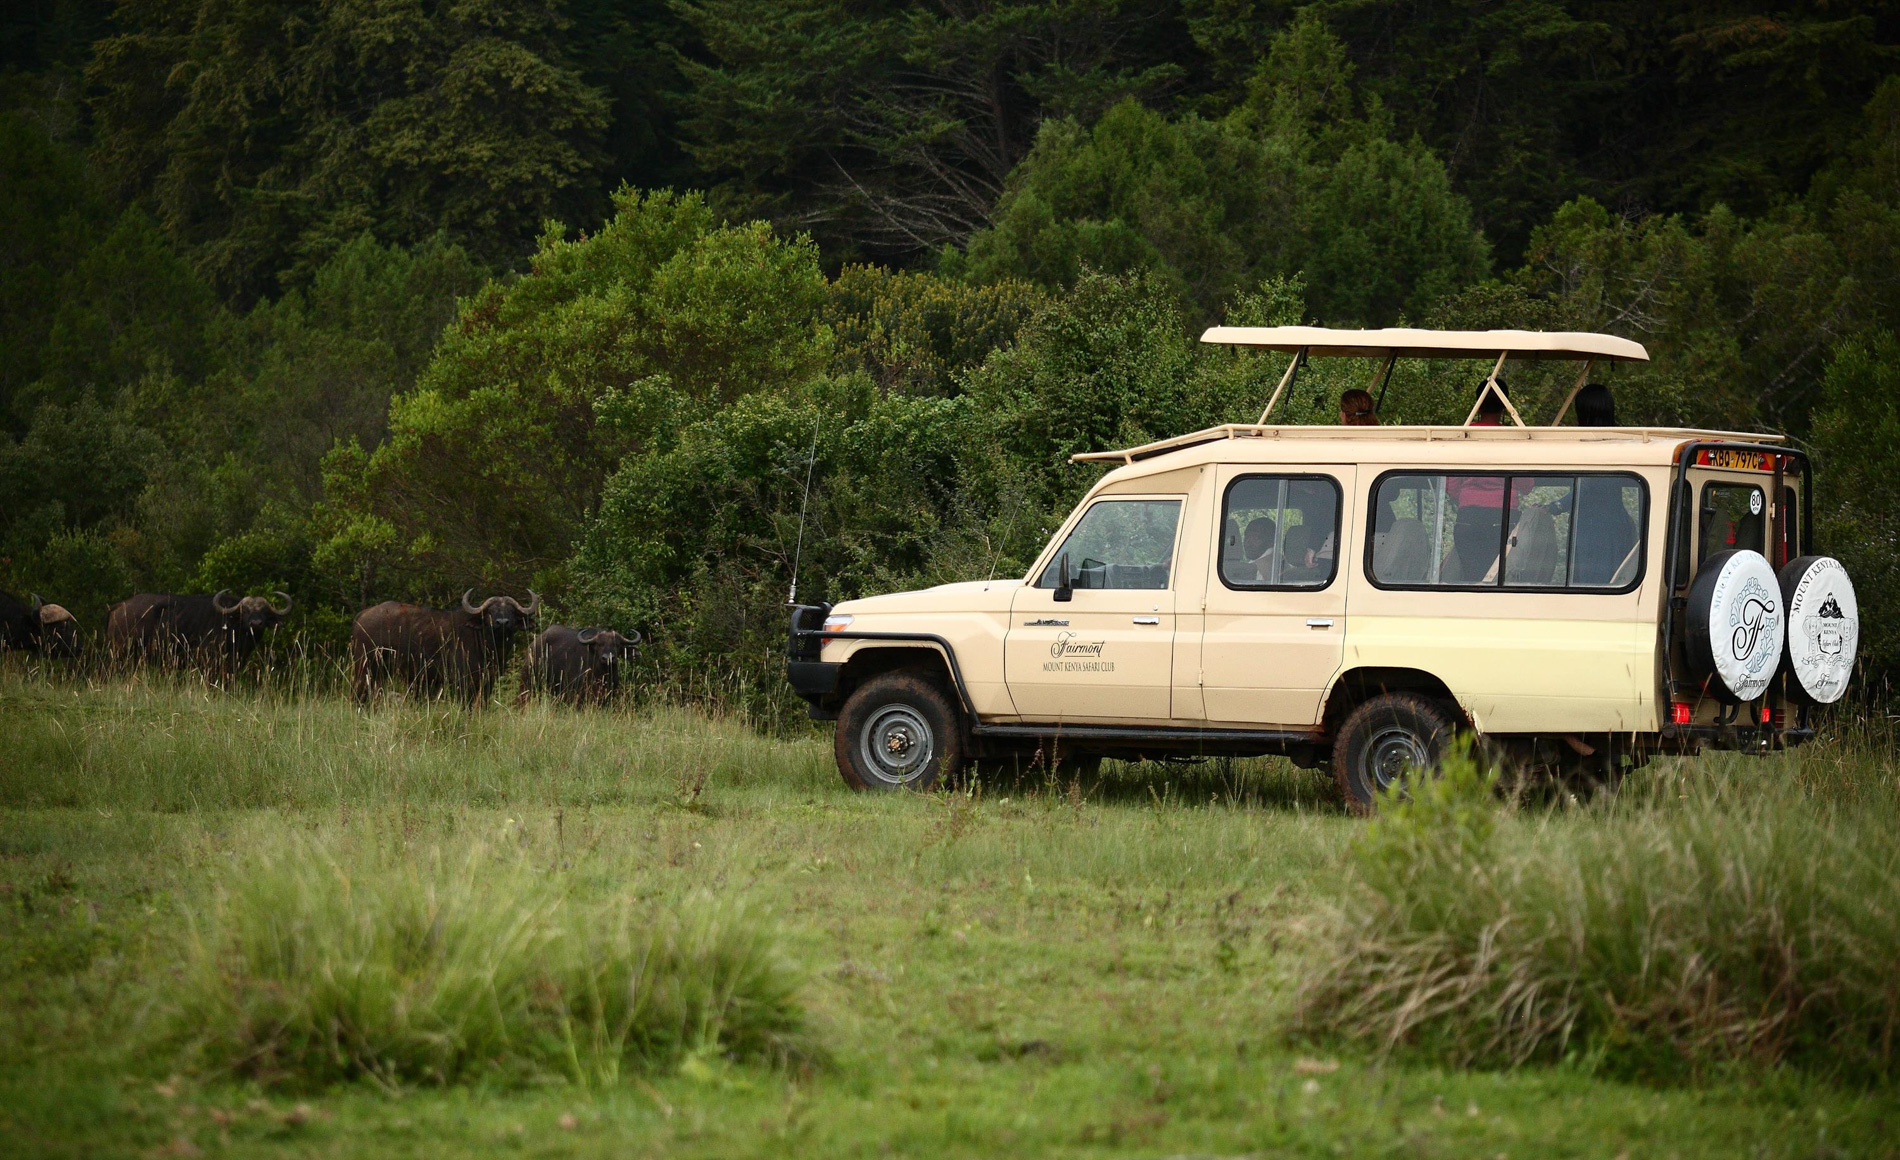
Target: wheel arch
point(1355, 686)
point(930, 658)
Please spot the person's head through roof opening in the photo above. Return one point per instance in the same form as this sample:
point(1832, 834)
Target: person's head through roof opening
point(1491, 404)
point(1356, 409)
point(1595, 406)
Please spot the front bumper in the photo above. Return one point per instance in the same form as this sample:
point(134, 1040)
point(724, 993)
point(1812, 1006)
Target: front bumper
point(813, 679)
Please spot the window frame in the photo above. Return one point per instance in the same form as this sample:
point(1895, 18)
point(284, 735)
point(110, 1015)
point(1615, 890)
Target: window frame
point(1508, 474)
point(1053, 551)
point(1339, 516)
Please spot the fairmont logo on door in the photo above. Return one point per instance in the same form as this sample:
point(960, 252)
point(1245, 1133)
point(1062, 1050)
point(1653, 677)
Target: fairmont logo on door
point(1069, 655)
point(1067, 646)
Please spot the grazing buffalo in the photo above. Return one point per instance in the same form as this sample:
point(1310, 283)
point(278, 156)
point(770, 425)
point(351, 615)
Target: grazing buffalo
point(436, 649)
point(38, 627)
point(217, 632)
point(576, 664)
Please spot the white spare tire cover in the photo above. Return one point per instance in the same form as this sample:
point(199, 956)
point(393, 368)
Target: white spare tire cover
point(1823, 626)
point(1736, 624)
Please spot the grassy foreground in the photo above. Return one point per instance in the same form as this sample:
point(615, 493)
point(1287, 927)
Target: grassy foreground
point(1109, 969)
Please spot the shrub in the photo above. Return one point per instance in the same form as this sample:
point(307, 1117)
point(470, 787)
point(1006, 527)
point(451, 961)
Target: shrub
point(1704, 926)
point(308, 971)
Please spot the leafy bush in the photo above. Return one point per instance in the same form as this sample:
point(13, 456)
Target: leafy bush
point(1718, 921)
point(309, 970)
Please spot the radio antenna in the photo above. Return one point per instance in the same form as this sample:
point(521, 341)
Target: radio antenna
point(798, 554)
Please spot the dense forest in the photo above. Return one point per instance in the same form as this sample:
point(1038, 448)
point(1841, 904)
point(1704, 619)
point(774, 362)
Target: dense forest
point(366, 299)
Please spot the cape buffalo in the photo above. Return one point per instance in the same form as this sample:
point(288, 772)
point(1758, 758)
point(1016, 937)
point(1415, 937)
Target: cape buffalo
point(217, 632)
point(579, 665)
point(38, 627)
point(435, 649)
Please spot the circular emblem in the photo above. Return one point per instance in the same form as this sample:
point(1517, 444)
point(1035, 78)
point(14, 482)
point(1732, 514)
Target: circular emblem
point(1754, 503)
point(1823, 626)
point(1737, 624)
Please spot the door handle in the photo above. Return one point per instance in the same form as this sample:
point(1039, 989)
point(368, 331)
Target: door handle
point(1147, 620)
point(1319, 622)
point(1046, 622)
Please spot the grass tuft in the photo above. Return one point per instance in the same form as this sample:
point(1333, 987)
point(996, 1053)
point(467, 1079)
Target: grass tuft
point(308, 970)
point(1706, 919)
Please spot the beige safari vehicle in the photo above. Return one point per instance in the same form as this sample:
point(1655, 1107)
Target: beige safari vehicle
point(1579, 598)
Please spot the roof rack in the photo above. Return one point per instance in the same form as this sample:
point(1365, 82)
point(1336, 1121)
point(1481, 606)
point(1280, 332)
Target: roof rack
point(1415, 434)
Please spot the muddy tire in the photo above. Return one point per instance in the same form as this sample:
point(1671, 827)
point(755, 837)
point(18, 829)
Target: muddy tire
point(1384, 740)
point(899, 731)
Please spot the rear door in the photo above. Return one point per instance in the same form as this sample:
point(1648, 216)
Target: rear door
point(1107, 653)
point(1275, 627)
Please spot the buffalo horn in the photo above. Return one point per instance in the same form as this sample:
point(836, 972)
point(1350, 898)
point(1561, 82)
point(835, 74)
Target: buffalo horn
point(285, 610)
point(217, 602)
point(587, 635)
point(534, 604)
point(633, 637)
point(472, 610)
point(37, 602)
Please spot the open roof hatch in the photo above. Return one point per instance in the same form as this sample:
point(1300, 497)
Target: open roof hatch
point(1394, 343)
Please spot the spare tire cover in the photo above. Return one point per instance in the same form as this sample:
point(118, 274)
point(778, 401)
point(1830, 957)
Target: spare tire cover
point(1823, 626)
point(1736, 624)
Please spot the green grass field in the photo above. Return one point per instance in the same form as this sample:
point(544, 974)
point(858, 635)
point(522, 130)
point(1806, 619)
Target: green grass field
point(1109, 969)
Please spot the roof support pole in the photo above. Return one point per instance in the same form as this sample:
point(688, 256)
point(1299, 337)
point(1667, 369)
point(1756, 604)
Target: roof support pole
point(1286, 380)
point(1383, 380)
point(1583, 376)
point(1490, 385)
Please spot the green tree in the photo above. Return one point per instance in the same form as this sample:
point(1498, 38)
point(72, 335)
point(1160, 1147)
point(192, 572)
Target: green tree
point(266, 136)
point(890, 130)
point(495, 458)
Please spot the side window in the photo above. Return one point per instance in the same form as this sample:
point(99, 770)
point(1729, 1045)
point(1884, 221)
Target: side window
point(1119, 543)
point(1280, 531)
point(1734, 515)
point(1507, 531)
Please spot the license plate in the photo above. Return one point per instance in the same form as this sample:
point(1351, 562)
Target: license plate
point(1732, 460)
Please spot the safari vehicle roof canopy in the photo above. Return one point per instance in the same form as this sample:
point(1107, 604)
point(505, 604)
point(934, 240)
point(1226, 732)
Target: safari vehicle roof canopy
point(1394, 343)
point(1399, 342)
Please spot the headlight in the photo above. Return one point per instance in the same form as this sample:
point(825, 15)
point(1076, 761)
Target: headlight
point(837, 622)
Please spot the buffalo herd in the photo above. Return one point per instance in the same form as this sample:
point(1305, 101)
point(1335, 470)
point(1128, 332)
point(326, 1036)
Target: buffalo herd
point(457, 652)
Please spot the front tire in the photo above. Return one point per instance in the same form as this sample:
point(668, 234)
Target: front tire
point(898, 731)
point(1384, 741)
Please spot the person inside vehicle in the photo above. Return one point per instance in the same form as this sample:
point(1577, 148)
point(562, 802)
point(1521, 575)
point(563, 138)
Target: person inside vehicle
point(1356, 409)
point(1300, 552)
point(1256, 545)
point(1595, 406)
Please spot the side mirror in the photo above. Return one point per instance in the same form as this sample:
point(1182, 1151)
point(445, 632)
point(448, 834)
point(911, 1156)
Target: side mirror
point(1065, 591)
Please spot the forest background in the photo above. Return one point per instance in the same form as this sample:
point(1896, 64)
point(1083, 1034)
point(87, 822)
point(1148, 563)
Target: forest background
point(371, 299)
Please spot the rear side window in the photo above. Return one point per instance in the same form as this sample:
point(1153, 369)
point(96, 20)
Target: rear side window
point(1514, 532)
point(1280, 531)
point(1119, 543)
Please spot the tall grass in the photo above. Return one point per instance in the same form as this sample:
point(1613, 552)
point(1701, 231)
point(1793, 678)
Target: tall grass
point(176, 744)
point(1718, 913)
point(310, 968)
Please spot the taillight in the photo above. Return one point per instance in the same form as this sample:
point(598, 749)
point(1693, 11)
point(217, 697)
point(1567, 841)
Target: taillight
point(1767, 715)
point(1679, 712)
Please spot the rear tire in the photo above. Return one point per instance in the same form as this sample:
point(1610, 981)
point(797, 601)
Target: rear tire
point(898, 731)
point(1383, 741)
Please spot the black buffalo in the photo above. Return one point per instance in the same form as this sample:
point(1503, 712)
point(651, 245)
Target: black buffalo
point(460, 650)
point(576, 664)
point(217, 632)
point(37, 627)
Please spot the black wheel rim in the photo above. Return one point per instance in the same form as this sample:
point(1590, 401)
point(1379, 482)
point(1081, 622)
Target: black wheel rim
point(897, 745)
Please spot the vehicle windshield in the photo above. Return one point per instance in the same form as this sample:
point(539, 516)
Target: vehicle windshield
point(1119, 543)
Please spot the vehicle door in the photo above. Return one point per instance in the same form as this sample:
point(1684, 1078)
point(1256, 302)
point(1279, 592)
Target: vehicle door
point(1275, 625)
point(1101, 647)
